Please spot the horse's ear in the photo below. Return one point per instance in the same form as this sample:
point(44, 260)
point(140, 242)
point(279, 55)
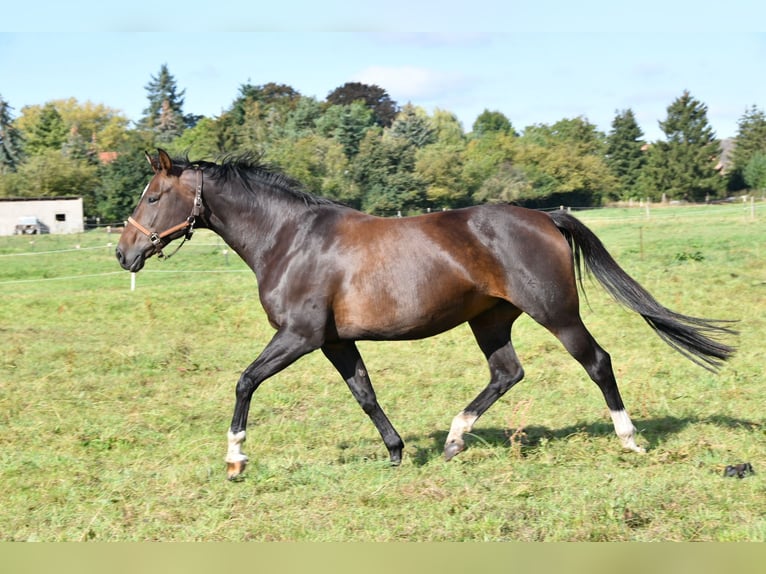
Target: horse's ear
point(166, 164)
point(152, 162)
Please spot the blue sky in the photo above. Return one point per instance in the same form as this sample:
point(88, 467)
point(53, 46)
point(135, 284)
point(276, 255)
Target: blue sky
point(537, 62)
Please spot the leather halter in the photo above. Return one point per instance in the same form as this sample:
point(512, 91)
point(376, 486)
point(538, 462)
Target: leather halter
point(188, 224)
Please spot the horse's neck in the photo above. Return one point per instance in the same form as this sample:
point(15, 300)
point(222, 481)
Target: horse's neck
point(250, 228)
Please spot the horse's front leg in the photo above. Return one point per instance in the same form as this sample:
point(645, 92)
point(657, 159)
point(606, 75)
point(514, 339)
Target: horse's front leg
point(284, 348)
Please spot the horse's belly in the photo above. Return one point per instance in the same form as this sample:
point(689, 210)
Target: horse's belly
point(385, 317)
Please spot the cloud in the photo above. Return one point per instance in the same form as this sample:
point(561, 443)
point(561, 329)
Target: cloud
point(411, 82)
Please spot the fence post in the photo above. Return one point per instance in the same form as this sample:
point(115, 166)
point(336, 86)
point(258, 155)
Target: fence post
point(132, 281)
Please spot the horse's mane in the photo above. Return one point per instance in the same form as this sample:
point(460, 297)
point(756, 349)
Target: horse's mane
point(249, 170)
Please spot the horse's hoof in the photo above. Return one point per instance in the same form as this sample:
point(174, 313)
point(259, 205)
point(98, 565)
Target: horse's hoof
point(452, 448)
point(235, 469)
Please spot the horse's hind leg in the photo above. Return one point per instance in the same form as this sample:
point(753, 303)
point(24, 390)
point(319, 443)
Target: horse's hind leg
point(346, 358)
point(596, 361)
point(492, 330)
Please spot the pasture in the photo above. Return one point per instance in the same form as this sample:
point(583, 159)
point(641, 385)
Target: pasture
point(115, 405)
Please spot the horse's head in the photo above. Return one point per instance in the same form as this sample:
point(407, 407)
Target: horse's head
point(166, 211)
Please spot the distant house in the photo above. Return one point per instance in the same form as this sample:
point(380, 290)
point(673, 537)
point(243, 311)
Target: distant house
point(106, 157)
point(52, 214)
point(727, 150)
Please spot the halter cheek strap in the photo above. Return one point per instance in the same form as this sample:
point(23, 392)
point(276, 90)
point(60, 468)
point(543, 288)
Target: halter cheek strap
point(188, 225)
point(156, 238)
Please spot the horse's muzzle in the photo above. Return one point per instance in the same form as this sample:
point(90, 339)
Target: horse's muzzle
point(134, 264)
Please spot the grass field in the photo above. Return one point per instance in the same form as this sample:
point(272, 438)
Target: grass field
point(114, 405)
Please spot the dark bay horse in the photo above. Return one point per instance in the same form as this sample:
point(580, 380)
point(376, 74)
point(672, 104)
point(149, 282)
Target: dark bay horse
point(329, 275)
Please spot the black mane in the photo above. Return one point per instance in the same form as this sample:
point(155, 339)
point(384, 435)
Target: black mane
point(248, 170)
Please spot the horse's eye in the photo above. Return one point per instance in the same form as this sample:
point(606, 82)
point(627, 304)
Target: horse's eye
point(153, 199)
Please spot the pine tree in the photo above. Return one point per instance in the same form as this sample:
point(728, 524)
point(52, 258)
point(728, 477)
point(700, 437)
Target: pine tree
point(49, 132)
point(754, 173)
point(164, 115)
point(625, 152)
point(684, 166)
point(10, 140)
point(751, 140)
point(413, 125)
point(346, 124)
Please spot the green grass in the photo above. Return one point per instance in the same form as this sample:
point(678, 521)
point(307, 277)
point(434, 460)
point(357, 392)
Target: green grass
point(114, 407)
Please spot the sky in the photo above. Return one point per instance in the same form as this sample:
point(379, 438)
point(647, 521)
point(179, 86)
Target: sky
point(536, 62)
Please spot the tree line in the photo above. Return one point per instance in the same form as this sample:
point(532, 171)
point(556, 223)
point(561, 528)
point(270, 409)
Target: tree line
point(361, 147)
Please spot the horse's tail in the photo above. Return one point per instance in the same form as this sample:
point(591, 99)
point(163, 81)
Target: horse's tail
point(691, 336)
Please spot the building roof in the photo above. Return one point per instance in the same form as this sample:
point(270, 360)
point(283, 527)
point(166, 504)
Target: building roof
point(49, 198)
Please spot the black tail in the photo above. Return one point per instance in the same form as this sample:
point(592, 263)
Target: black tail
point(691, 336)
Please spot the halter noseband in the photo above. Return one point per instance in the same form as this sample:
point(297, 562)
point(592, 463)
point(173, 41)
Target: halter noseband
point(188, 225)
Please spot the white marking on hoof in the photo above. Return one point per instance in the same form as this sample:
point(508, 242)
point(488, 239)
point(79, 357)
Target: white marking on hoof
point(625, 430)
point(462, 423)
point(234, 453)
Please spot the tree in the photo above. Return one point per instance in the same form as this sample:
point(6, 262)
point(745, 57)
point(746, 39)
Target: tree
point(253, 134)
point(274, 102)
point(11, 142)
point(302, 120)
point(119, 186)
point(508, 183)
point(256, 117)
point(374, 97)
point(318, 163)
point(751, 140)
point(413, 125)
point(95, 127)
point(576, 133)
point(77, 147)
point(482, 158)
point(625, 152)
point(164, 116)
point(44, 129)
point(199, 142)
point(49, 173)
point(347, 125)
point(101, 128)
point(384, 173)
point(560, 164)
point(684, 166)
point(492, 122)
point(755, 172)
point(440, 165)
point(270, 94)
point(448, 128)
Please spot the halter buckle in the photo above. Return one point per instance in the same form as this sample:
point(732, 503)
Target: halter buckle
point(190, 230)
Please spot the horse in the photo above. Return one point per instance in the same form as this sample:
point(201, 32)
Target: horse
point(329, 275)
